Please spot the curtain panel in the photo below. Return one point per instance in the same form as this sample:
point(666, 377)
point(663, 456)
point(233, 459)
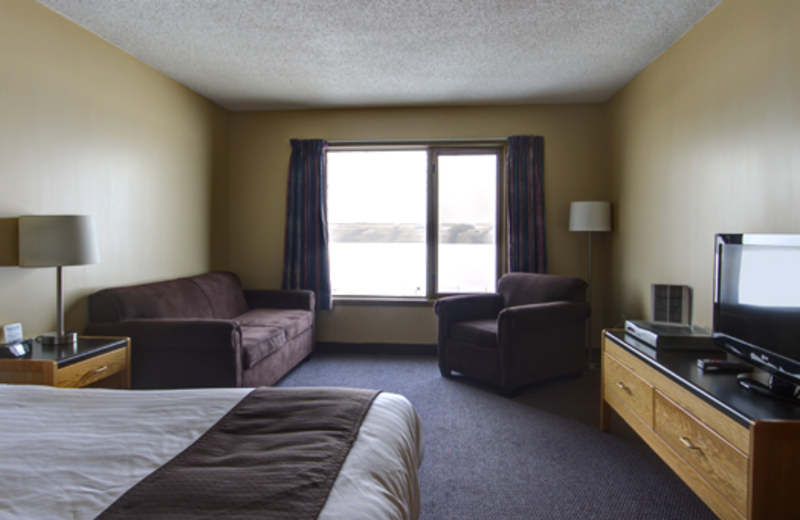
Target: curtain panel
point(305, 257)
point(527, 246)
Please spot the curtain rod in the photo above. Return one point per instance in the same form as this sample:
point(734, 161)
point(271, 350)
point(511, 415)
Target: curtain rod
point(421, 141)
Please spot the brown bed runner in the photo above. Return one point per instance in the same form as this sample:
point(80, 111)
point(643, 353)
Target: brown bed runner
point(275, 455)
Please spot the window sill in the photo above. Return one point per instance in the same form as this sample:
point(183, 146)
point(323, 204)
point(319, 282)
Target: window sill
point(376, 301)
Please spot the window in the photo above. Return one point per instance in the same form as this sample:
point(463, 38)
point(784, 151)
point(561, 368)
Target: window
point(413, 222)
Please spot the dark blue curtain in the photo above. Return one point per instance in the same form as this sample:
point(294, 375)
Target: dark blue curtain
point(527, 245)
point(305, 258)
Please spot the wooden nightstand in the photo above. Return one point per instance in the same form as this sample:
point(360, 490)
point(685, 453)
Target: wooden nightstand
point(92, 361)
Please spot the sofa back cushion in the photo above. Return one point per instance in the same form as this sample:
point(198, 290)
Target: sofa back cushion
point(212, 295)
point(224, 293)
point(528, 288)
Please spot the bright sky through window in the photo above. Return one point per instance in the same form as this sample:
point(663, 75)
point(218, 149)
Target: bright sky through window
point(377, 187)
point(377, 209)
point(378, 220)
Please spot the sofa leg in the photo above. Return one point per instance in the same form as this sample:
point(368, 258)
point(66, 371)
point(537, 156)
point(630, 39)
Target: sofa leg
point(510, 392)
point(575, 375)
point(446, 372)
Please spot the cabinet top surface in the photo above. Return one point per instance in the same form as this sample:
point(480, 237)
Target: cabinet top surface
point(64, 355)
point(721, 390)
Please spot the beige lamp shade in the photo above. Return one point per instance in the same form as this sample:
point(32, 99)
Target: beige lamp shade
point(590, 216)
point(57, 240)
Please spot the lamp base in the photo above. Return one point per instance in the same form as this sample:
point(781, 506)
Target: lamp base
point(54, 338)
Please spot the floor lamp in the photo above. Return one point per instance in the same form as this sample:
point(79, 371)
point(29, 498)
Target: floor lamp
point(56, 241)
point(590, 217)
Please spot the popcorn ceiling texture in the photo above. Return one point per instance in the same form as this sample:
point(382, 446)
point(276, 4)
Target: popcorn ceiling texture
point(269, 54)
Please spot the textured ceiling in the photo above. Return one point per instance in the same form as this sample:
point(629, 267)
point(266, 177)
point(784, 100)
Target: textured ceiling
point(272, 54)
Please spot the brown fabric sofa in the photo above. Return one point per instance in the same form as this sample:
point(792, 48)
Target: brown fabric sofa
point(532, 329)
point(205, 331)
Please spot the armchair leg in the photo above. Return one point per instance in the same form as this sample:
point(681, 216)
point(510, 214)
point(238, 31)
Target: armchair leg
point(446, 372)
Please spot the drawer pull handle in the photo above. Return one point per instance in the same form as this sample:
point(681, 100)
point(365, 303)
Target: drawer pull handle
point(622, 387)
point(89, 374)
point(688, 443)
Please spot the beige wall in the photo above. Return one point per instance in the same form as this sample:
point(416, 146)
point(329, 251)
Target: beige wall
point(87, 129)
point(706, 140)
point(575, 169)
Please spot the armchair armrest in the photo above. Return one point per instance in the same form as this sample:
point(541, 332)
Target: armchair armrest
point(180, 353)
point(547, 339)
point(465, 307)
point(541, 315)
point(468, 307)
point(280, 299)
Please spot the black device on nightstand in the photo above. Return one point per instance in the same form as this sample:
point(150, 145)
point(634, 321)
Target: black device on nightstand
point(15, 350)
point(723, 366)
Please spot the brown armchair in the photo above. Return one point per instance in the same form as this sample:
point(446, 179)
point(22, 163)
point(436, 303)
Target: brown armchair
point(532, 329)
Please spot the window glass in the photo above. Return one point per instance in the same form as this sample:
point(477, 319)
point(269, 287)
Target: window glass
point(379, 203)
point(377, 210)
point(467, 194)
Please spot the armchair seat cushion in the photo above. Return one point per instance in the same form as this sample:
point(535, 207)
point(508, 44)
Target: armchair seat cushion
point(260, 342)
point(291, 321)
point(478, 332)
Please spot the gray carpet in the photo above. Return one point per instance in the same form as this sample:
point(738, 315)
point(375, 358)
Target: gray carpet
point(538, 456)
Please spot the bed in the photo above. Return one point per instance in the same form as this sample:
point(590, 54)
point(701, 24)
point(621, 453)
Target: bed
point(229, 453)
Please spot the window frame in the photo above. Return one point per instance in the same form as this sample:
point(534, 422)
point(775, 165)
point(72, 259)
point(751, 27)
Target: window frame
point(434, 150)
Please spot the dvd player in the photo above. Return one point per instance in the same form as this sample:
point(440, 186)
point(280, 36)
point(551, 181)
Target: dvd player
point(670, 336)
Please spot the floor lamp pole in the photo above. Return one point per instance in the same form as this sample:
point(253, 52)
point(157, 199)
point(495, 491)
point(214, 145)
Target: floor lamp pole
point(589, 216)
point(589, 301)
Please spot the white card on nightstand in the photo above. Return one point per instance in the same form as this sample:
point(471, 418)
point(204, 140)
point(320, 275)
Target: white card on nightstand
point(12, 333)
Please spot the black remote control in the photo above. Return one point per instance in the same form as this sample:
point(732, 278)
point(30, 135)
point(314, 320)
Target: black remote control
point(723, 365)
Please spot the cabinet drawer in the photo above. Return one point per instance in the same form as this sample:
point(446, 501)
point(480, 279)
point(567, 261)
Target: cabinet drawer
point(635, 392)
point(714, 458)
point(93, 369)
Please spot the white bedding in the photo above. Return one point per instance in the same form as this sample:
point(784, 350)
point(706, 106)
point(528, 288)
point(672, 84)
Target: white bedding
point(70, 453)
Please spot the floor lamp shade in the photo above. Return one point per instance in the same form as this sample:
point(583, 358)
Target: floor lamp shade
point(590, 216)
point(57, 241)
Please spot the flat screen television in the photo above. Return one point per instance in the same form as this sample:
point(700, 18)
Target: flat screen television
point(757, 307)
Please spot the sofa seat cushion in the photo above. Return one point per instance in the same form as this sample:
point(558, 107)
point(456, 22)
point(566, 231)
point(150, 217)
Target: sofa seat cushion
point(478, 332)
point(260, 342)
point(292, 321)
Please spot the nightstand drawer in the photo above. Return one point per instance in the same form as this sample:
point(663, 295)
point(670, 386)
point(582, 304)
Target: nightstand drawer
point(631, 389)
point(714, 458)
point(93, 369)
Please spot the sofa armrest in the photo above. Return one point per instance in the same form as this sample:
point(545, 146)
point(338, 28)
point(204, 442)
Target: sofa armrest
point(542, 315)
point(180, 353)
point(280, 299)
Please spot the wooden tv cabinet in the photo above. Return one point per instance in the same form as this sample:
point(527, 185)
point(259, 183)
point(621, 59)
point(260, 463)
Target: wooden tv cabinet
point(738, 451)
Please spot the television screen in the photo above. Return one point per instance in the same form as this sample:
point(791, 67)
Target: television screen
point(757, 301)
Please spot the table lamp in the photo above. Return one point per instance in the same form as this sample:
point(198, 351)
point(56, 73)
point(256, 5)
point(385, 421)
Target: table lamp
point(56, 241)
